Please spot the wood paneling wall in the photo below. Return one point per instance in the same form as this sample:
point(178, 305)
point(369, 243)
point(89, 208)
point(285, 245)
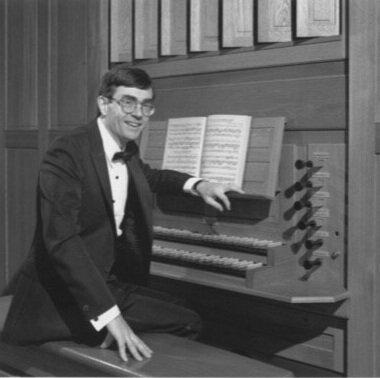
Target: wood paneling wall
point(3, 91)
point(22, 68)
point(121, 31)
point(261, 93)
point(363, 192)
point(317, 17)
point(22, 165)
point(275, 25)
point(376, 314)
point(215, 25)
point(237, 23)
point(146, 29)
point(174, 22)
point(52, 55)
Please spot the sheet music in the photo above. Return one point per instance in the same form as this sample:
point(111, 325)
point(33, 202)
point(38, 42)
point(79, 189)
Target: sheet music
point(225, 148)
point(184, 142)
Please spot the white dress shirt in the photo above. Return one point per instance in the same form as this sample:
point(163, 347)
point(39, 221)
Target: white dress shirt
point(118, 175)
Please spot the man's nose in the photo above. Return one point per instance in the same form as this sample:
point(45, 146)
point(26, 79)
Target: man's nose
point(137, 111)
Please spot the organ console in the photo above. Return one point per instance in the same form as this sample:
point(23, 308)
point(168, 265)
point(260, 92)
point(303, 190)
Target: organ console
point(262, 239)
point(285, 247)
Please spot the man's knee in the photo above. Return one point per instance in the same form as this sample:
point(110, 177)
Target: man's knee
point(193, 327)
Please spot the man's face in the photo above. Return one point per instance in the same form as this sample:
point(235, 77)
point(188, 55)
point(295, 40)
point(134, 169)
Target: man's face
point(126, 126)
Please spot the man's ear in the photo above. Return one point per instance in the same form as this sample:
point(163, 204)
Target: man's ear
point(102, 104)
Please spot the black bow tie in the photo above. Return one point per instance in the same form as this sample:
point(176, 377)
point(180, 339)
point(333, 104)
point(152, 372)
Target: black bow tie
point(130, 150)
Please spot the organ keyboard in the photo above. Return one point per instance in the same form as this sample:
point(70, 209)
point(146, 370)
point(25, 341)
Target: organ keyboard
point(251, 265)
point(228, 241)
point(221, 257)
point(204, 261)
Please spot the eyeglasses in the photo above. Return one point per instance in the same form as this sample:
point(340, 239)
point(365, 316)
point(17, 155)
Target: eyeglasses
point(129, 105)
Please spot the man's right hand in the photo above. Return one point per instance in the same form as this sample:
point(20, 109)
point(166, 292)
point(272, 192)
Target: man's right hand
point(119, 330)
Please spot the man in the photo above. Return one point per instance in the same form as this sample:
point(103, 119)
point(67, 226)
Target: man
point(86, 273)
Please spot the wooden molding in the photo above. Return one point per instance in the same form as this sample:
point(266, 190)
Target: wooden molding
point(305, 53)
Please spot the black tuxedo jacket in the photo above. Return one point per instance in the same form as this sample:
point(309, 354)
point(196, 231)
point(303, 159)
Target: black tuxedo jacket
point(63, 282)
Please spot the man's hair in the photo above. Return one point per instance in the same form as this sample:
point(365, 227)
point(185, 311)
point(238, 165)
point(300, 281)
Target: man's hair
point(123, 75)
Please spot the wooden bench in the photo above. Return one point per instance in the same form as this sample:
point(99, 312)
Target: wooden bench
point(173, 356)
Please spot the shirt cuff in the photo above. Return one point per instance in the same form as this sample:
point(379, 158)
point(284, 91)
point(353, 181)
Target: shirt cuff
point(189, 185)
point(103, 319)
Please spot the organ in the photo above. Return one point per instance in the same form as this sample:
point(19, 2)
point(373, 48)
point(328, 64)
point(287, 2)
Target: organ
point(294, 240)
point(286, 248)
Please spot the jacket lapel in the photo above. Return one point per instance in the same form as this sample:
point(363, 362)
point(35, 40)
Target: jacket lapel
point(143, 191)
point(100, 163)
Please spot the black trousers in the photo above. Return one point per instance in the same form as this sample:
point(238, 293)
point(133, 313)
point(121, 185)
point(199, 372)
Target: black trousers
point(148, 310)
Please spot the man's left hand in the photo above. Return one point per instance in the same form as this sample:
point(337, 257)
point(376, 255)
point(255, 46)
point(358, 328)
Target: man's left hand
point(214, 194)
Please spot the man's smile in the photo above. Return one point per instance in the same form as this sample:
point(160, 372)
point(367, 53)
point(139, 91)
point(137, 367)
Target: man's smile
point(133, 124)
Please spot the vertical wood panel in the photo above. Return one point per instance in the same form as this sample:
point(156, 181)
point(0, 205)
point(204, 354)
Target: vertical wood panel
point(22, 173)
point(173, 27)
point(204, 34)
point(146, 29)
point(53, 62)
point(377, 178)
point(69, 34)
point(22, 64)
point(237, 23)
point(121, 30)
point(362, 225)
point(77, 67)
point(376, 314)
point(274, 21)
point(317, 18)
point(46, 78)
point(97, 51)
point(377, 82)
point(71, 63)
point(3, 106)
point(44, 72)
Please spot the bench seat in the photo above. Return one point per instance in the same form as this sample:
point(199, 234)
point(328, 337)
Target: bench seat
point(173, 356)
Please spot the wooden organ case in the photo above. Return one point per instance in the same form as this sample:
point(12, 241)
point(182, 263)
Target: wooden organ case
point(267, 276)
